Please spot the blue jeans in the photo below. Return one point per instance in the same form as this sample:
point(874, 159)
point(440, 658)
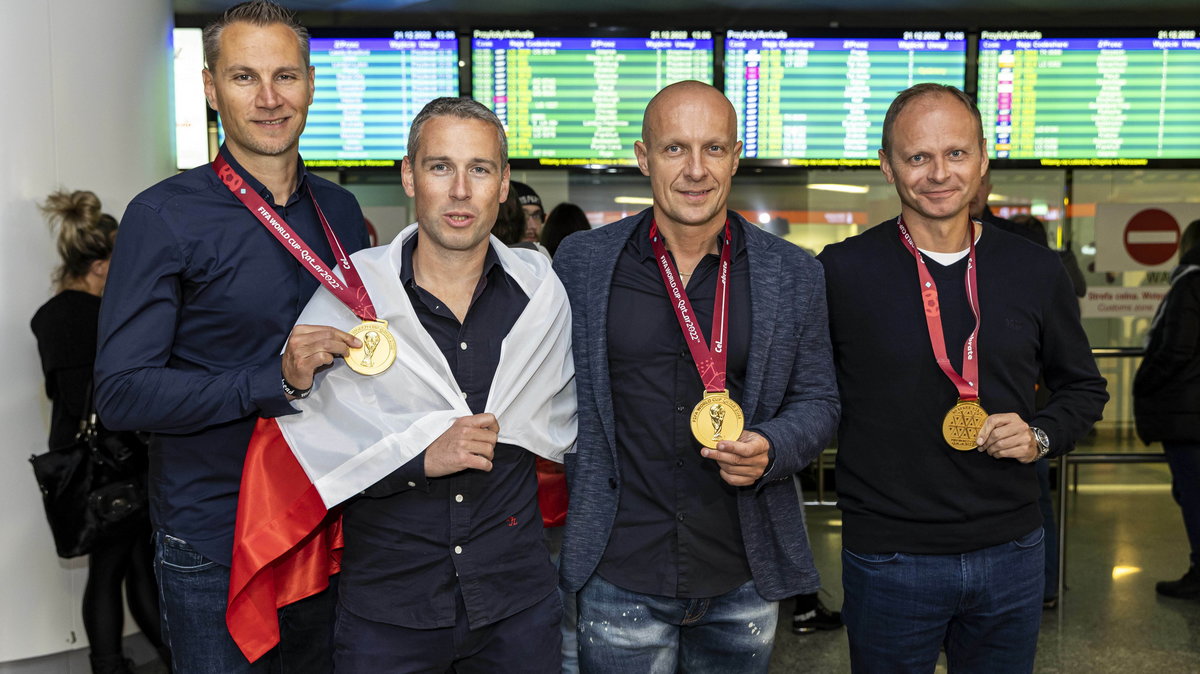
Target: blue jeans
point(623, 631)
point(984, 607)
point(193, 591)
point(1184, 460)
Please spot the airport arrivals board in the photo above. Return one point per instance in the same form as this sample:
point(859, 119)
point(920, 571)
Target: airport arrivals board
point(579, 100)
point(822, 100)
point(1088, 100)
point(369, 89)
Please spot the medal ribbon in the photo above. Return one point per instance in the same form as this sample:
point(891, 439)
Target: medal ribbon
point(968, 382)
point(710, 363)
point(351, 292)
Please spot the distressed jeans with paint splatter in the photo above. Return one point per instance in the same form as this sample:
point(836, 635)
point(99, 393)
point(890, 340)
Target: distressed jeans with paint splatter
point(623, 631)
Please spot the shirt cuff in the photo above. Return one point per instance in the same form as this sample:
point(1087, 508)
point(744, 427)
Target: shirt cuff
point(766, 476)
point(409, 476)
point(266, 389)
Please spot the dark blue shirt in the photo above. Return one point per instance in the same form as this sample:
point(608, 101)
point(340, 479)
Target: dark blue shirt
point(199, 302)
point(677, 532)
point(412, 542)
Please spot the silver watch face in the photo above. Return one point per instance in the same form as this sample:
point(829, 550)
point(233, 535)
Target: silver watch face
point(1043, 440)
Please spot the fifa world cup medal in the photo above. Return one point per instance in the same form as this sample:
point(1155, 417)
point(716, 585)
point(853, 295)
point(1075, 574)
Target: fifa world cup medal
point(378, 350)
point(961, 425)
point(715, 418)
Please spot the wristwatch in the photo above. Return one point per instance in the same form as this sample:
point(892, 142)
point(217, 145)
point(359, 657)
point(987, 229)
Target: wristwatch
point(1043, 442)
point(297, 393)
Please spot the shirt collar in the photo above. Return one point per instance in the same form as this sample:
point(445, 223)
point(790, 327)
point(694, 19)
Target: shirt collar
point(643, 249)
point(301, 175)
point(490, 262)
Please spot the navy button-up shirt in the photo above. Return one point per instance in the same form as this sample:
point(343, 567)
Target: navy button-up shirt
point(412, 542)
point(199, 302)
point(677, 532)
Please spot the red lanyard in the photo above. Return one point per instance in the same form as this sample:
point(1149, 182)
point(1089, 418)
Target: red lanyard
point(710, 363)
point(968, 382)
point(351, 292)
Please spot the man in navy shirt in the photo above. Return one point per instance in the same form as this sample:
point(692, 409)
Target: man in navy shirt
point(201, 299)
point(444, 566)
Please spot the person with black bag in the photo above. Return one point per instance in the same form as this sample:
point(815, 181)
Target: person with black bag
point(93, 480)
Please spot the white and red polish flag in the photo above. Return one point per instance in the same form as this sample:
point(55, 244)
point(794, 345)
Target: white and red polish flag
point(354, 430)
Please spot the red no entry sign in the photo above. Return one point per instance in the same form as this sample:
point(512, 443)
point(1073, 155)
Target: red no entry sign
point(1152, 237)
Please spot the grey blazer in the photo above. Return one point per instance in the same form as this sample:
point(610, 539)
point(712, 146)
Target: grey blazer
point(790, 398)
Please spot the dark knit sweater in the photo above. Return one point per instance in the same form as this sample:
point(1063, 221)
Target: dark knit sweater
point(900, 486)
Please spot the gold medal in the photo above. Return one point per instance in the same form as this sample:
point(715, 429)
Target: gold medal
point(961, 426)
point(716, 417)
point(378, 350)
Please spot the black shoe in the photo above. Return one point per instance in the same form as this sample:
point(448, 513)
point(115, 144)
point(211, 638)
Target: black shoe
point(1187, 587)
point(816, 619)
point(1049, 603)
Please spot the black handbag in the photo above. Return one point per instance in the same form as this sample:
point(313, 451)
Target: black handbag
point(94, 488)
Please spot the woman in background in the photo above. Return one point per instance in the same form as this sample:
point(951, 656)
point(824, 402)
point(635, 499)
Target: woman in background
point(1166, 399)
point(65, 328)
point(566, 218)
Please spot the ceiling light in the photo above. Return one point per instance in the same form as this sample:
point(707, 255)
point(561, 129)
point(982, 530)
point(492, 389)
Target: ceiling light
point(636, 201)
point(838, 187)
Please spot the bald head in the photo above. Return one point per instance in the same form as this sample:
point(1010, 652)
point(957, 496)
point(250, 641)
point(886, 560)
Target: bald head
point(667, 107)
point(689, 149)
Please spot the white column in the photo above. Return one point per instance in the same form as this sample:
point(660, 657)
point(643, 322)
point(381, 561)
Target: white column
point(86, 106)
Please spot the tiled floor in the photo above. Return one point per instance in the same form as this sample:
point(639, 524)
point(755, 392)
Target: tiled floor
point(1124, 533)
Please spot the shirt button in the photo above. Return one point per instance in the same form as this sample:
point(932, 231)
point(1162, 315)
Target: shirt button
point(458, 498)
point(680, 408)
point(462, 345)
point(679, 517)
point(458, 549)
point(464, 395)
point(412, 484)
point(679, 463)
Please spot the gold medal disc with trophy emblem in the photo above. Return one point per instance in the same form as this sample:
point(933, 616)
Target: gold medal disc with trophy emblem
point(961, 425)
point(378, 351)
point(715, 418)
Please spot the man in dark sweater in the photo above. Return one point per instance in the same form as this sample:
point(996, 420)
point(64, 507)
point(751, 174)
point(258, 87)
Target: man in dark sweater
point(935, 318)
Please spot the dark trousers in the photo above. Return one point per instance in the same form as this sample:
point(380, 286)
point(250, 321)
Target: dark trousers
point(1184, 460)
point(193, 592)
point(1046, 503)
point(528, 641)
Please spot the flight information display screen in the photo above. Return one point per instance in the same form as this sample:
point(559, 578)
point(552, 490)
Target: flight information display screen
point(1090, 100)
point(579, 100)
point(821, 100)
point(368, 89)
